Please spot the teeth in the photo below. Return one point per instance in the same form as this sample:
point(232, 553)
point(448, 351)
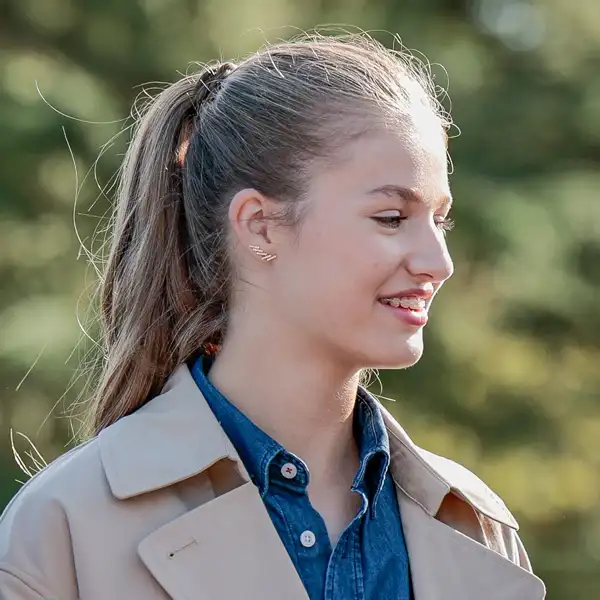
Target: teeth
point(411, 302)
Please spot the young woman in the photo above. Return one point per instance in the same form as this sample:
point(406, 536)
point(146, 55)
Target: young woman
point(280, 227)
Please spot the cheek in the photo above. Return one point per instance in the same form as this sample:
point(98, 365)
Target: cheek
point(375, 256)
point(341, 255)
point(357, 270)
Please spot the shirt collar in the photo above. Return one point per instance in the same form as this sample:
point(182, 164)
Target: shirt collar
point(258, 450)
point(374, 447)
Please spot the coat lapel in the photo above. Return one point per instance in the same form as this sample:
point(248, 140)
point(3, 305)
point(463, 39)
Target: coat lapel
point(225, 549)
point(445, 564)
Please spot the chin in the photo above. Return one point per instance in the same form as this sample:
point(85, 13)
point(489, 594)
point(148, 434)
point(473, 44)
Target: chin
point(397, 356)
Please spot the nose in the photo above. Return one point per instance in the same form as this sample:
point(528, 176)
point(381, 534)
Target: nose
point(430, 259)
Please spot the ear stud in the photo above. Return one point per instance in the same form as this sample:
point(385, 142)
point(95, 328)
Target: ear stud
point(262, 254)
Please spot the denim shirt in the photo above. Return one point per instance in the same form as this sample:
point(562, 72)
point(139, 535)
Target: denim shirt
point(370, 559)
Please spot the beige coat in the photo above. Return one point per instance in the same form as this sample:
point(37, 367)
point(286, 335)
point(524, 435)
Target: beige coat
point(159, 506)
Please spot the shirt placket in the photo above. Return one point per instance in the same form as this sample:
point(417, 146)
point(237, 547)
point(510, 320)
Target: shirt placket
point(344, 577)
point(306, 533)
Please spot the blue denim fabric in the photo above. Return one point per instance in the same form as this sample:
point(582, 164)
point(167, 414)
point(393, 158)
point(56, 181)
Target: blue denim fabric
point(370, 560)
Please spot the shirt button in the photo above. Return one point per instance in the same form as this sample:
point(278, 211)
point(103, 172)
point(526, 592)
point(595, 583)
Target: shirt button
point(308, 539)
point(289, 470)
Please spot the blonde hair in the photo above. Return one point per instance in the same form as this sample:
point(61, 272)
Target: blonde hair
point(261, 124)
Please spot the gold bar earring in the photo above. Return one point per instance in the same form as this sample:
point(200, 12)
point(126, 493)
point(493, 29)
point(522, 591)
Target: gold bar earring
point(262, 254)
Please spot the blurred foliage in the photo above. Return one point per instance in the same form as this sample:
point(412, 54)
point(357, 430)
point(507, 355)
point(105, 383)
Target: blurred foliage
point(510, 384)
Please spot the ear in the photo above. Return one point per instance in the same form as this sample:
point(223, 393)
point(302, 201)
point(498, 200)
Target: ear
point(249, 216)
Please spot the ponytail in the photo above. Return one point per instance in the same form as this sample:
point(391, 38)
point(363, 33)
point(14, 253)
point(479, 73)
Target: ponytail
point(153, 315)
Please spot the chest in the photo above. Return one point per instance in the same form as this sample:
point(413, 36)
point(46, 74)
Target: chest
point(367, 559)
point(212, 538)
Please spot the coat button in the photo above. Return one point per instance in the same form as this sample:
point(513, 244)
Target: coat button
point(308, 539)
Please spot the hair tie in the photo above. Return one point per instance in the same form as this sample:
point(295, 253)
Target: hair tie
point(209, 349)
point(211, 80)
point(208, 84)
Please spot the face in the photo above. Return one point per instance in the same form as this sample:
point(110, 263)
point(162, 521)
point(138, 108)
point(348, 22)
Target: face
point(360, 275)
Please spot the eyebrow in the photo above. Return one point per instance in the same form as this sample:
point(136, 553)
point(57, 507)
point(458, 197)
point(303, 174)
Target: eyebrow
point(409, 195)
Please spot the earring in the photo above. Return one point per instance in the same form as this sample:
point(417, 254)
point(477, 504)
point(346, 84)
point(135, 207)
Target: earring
point(262, 254)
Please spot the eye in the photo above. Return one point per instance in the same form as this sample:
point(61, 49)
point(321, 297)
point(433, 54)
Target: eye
point(392, 219)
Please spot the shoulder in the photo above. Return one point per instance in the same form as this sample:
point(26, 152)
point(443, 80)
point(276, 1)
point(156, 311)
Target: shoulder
point(35, 536)
point(470, 487)
point(65, 485)
point(453, 494)
point(475, 510)
point(77, 472)
point(114, 490)
point(428, 477)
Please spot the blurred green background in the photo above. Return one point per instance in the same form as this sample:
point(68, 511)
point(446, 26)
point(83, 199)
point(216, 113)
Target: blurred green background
point(510, 382)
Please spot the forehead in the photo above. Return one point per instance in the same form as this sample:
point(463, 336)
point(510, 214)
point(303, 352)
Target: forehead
point(412, 157)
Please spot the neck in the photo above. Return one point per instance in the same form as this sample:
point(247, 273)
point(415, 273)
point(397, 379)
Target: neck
point(295, 394)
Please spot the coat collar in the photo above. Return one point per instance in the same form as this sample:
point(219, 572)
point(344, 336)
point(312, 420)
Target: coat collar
point(171, 438)
point(180, 423)
point(427, 478)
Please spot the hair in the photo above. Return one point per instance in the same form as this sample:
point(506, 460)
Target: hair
point(258, 124)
